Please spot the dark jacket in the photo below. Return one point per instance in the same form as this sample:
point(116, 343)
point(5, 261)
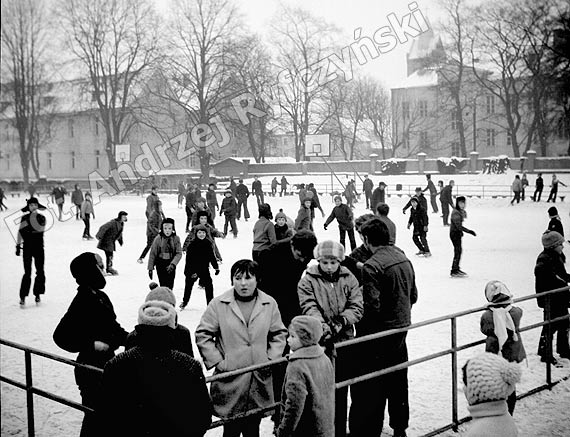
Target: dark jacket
point(419, 218)
point(512, 350)
point(550, 274)
point(109, 233)
point(431, 188)
point(283, 232)
point(211, 198)
point(389, 291)
point(378, 196)
point(181, 340)
point(89, 318)
point(199, 255)
point(167, 249)
point(367, 186)
point(360, 254)
point(77, 197)
point(304, 219)
point(422, 201)
point(343, 215)
point(391, 228)
point(308, 395)
point(153, 390)
point(256, 187)
point(31, 231)
point(263, 234)
point(242, 192)
point(556, 225)
point(456, 228)
point(539, 183)
point(445, 196)
point(229, 207)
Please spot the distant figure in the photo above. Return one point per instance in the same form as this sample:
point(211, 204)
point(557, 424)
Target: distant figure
point(432, 193)
point(517, 189)
point(284, 184)
point(242, 193)
point(274, 184)
point(344, 217)
point(419, 218)
point(456, 231)
point(421, 200)
point(212, 200)
point(524, 183)
point(77, 200)
point(539, 184)
point(58, 196)
point(554, 188)
point(446, 201)
point(367, 187)
point(383, 209)
point(181, 193)
point(257, 190)
point(232, 186)
point(229, 209)
point(86, 211)
point(378, 196)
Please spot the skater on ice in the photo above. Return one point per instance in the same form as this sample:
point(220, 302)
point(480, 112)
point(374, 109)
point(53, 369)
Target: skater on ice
point(263, 232)
point(86, 211)
point(153, 226)
point(108, 234)
point(456, 231)
point(382, 211)
point(165, 253)
point(345, 219)
point(419, 219)
point(230, 209)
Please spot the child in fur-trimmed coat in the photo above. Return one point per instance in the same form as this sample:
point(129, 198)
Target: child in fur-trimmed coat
point(308, 390)
point(165, 253)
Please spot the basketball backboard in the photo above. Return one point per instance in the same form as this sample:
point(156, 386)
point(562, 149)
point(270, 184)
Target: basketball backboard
point(317, 145)
point(122, 152)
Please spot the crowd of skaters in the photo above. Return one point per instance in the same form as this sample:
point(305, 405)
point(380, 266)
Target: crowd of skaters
point(347, 295)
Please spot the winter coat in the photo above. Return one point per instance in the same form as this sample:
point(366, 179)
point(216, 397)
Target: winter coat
point(242, 192)
point(445, 196)
point(367, 186)
point(227, 342)
point(109, 233)
point(360, 254)
point(279, 274)
point(181, 340)
point(456, 228)
point(153, 225)
point(89, 318)
point(389, 291)
point(512, 350)
point(211, 233)
point(517, 185)
point(166, 249)
point(550, 274)
point(539, 183)
point(304, 219)
point(256, 187)
point(282, 232)
point(199, 256)
point(86, 208)
point(431, 188)
point(274, 184)
point(556, 225)
point(308, 395)
point(419, 218)
point(263, 234)
point(343, 215)
point(284, 182)
point(324, 300)
point(211, 198)
point(229, 207)
point(31, 230)
point(378, 196)
point(491, 419)
point(154, 390)
point(150, 201)
point(391, 228)
point(77, 197)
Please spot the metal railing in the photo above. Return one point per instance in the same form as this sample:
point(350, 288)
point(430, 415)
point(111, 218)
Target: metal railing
point(454, 348)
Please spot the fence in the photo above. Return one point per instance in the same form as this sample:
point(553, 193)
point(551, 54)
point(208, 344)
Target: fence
point(31, 390)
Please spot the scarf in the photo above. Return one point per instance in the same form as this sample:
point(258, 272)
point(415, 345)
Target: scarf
point(502, 320)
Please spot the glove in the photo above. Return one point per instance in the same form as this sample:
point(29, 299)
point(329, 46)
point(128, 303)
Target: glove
point(404, 211)
point(18, 249)
point(170, 268)
point(325, 226)
point(338, 323)
point(409, 224)
point(473, 233)
point(150, 274)
point(217, 272)
point(194, 275)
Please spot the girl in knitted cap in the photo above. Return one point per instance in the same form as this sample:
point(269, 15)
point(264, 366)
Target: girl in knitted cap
point(304, 219)
point(489, 379)
point(500, 323)
point(330, 293)
point(165, 253)
point(308, 390)
point(283, 229)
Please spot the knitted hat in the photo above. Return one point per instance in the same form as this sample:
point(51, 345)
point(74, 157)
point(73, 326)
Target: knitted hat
point(414, 199)
point(162, 294)
point(489, 377)
point(280, 214)
point(497, 292)
point(200, 228)
point(308, 329)
point(552, 211)
point(330, 249)
point(460, 199)
point(157, 313)
point(551, 239)
point(168, 220)
point(152, 285)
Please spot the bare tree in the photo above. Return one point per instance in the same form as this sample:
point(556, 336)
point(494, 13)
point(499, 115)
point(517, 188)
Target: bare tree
point(24, 40)
point(412, 130)
point(116, 42)
point(301, 40)
point(377, 110)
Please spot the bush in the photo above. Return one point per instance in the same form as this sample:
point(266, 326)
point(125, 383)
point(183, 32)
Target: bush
point(451, 165)
point(393, 166)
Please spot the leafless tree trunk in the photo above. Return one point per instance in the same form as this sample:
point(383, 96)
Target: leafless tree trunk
point(378, 111)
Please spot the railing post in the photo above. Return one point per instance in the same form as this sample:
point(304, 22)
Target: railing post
point(29, 393)
point(333, 362)
point(454, 418)
point(548, 342)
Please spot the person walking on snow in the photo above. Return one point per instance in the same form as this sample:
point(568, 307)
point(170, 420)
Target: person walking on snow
point(284, 184)
point(212, 200)
point(107, 235)
point(432, 193)
point(304, 219)
point(539, 186)
point(274, 184)
point(229, 209)
point(31, 234)
point(419, 218)
point(378, 196)
point(343, 215)
point(242, 193)
point(367, 187)
point(153, 226)
point(77, 200)
point(554, 189)
point(456, 231)
point(58, 196)
point(421, 200)
point(257, 190)
point(446, 200)
point(86, 211)
point(165, 253)
point(517, 188)
point(524, 184)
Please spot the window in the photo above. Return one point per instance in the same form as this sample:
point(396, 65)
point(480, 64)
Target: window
point(49, 160)
point(8, 161)
point(48, 130)
point(234, 153)
point(490, 101)
point(509, 138)
point(454, 120)
point(455, 148)
point(192, 160)
point(406, 110)
point(72, 159)
point(97, 156)
point(96, 126)
point(490, 137)
point(423, 108)
point(70, 128)
point(423, 140)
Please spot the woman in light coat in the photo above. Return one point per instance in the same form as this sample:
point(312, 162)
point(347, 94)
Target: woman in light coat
point(240, 328)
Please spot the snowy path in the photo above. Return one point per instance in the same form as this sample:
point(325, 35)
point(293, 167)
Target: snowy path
point(506, 247)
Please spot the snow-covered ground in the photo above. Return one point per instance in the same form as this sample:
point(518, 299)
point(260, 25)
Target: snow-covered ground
point(506, 246)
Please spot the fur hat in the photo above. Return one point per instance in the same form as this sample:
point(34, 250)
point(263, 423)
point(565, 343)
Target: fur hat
point(32, 200)
point(330, 249)
point(167, 221)
point(497, 293)
point(200, 228)
point(489, 377)
point(418, 189)
point(552, 211)
point(551, 239)
point(308, 329)
point(280, 214)
point(307, 199)
point(157, 313)
point(152, 285)
point(162, 294)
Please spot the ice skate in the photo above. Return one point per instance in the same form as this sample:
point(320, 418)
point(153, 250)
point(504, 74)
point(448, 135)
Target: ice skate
point(38, 300)
point(112, 272)
point(140, 260)
point(427, 254)
point(23, 302)
point(182, 306)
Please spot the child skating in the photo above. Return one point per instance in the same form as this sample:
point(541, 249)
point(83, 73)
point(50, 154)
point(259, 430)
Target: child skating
point(165, 253)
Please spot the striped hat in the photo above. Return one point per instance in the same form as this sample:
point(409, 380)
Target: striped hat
point(329, 249)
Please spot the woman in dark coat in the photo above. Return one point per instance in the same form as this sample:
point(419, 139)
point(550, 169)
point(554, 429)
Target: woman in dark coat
point(90, 327)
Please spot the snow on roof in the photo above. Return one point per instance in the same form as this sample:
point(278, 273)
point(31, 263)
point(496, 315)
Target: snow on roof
point(419, 78)
point(268, 159)
point(424, 45)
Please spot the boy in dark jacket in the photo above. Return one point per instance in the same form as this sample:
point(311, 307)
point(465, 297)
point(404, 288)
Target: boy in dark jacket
point(211, 234)
point(86, 212)
point(90, 327)
point(200, 206)
point(77, 200)
point(199, 256)
point(242, 193)
point(456, 231)
point(343, 215)
point(419, 218)
point(501, 323)
point(304, 219)
point(152, 389)
point(550, 274)
point(555, 224)
point(446, 199)
point(107, 235)
point(308, 390)
point(212, 200)
point(165, 253)
point(378, 196)
point(230, 209)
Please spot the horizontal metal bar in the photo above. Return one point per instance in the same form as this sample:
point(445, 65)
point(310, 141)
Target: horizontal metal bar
point(12, 382)
point(263, 411)
point(61, 400)
point(248, 369)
